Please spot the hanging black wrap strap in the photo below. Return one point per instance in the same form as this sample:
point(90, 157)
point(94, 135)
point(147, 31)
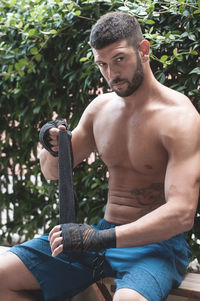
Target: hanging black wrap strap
point(66, 191)
point(67, 200)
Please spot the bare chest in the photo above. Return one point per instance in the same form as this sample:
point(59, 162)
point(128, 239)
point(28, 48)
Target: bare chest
point(130, 143)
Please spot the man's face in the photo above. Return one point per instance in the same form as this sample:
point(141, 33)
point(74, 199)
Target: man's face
point(121, 67)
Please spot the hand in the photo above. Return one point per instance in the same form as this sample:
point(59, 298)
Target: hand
point(48, 135)
point(55, 240)
point(53, 137)
point(80, 238)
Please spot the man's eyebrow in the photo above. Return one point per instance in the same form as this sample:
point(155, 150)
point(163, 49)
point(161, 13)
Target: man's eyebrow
point(113, 57)
point(117, 54)
point(98, 61)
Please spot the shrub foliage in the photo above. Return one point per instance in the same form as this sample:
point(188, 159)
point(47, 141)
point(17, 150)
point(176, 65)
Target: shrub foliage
point(47, 72)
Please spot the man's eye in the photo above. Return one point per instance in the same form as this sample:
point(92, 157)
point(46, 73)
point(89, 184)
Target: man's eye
point(101, 64)
point(119, 59)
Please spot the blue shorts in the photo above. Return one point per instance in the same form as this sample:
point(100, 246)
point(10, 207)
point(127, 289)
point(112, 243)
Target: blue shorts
point(151, 270)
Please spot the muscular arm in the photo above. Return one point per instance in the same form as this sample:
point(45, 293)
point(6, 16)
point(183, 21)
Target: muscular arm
point(182, 179)
point(82, 145)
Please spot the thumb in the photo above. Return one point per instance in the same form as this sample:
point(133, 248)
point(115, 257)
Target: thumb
point(61, 127)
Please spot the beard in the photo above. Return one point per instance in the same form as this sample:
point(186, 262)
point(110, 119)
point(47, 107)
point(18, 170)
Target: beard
point(133, 85)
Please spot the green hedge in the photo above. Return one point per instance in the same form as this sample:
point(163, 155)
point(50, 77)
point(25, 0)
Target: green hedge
point(47, 71)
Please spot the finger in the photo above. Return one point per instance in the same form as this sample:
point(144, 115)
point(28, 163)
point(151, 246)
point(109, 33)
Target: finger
point(54, 141)
point(55, 236)
point(55, 232)
point(61, 127)
point(54, 132)
point(57, 251)
point(54, 244)
point(57, 228)
point(54, 148)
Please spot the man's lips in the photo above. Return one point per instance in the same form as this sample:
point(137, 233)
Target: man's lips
point(118, 84)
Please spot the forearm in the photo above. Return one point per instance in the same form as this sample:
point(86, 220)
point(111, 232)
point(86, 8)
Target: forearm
point(49, 165)
point(161, 224)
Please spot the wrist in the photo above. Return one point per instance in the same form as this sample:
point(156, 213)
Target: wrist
point(83, 238)
point(108, 238)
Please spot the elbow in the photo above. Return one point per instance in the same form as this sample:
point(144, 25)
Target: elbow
point(188, 225)
point(187, 220)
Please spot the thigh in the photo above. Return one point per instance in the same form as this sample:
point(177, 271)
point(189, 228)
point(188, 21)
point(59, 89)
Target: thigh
point(142, 282)
point(125, 294)
point(151, 270)
point(15, 274)
point(60, 277)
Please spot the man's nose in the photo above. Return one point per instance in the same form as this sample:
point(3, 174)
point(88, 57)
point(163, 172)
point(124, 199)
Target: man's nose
point(113, 73)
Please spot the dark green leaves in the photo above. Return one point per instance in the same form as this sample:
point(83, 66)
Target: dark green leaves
point(47, 71)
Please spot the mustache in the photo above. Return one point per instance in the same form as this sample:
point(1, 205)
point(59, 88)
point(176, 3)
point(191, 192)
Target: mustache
point(116, 81)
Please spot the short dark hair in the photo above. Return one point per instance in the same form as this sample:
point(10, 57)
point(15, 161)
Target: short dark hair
point(113, 27)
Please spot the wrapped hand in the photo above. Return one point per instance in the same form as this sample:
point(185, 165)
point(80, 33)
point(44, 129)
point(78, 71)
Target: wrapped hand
point(73, 237)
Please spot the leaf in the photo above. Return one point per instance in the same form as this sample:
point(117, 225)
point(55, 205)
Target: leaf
point(70, 7)
point(17, 66)
point(53, 31)
point(193, 51)
point(195, 71)
point(77, 13)
point(149, 22)
point(192, 37)
point(45, 32)
point(156, 13)
point(23, 62)
point(164, 58)
point(175, 52)
point(83, 59)
point(38, 57)
point(10, 69)
point(186, 13)
point(179, 57)
point(196, 12)
point(20, 24)
point(31, 32)
point(36, 110)
point(34, 50)
point(172, 37)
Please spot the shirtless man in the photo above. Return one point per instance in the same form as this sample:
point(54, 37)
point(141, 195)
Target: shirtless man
point(148, 136)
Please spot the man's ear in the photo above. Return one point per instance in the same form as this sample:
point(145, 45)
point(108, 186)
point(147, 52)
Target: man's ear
point(144, 49)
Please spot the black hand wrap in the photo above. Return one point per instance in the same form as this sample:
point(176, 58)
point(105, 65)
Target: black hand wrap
point(45, 137)
point(83, 238)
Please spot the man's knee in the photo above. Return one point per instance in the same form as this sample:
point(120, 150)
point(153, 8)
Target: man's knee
point(125, 294)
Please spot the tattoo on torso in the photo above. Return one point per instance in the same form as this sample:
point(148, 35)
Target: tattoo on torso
point(153, 194)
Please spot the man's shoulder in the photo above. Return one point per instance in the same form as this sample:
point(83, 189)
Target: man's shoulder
point(100, 101)
point(177, 118)
point(104, 97)
point(173, 97)
point(177, 105)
